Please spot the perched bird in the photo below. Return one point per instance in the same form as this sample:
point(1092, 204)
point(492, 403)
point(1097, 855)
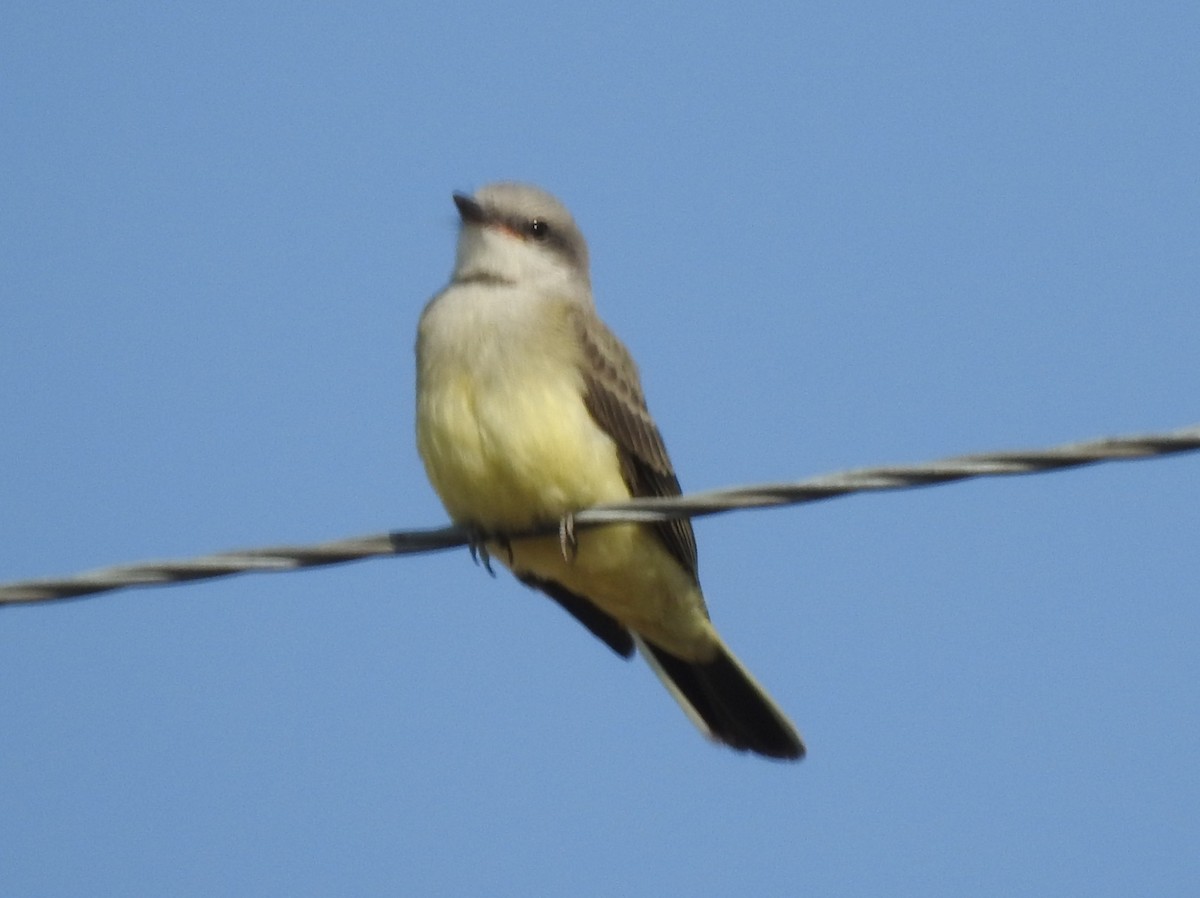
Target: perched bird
point(530, 409)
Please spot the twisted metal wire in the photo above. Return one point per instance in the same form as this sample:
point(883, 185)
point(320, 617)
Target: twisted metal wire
point(891, 477)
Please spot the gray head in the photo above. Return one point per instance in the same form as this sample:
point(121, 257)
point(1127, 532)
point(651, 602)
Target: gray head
point(520, 234)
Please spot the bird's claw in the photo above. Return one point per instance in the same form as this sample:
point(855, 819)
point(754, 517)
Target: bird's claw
point(566, 538)
point(477, 546)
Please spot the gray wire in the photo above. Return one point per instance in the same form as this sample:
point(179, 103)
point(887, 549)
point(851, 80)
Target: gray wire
point(893, 477)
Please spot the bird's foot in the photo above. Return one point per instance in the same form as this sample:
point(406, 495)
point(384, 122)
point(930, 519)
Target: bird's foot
point(477, 546)
point(566, 538)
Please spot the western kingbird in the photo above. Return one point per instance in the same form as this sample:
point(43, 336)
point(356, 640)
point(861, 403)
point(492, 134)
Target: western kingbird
point(528, 410)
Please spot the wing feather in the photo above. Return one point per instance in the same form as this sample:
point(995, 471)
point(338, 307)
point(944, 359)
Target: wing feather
point(613, 396)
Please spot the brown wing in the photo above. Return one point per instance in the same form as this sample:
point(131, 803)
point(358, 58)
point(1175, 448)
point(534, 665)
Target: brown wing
point(613, 396)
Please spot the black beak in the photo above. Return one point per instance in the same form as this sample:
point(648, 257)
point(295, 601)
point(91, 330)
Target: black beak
point(470, 211)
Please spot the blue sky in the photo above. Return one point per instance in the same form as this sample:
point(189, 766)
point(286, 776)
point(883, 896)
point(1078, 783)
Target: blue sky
point(832, 235)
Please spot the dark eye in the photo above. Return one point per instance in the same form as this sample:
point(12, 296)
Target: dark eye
point(538, 229)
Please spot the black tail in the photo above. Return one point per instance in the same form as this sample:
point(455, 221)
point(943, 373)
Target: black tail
point(724, 700)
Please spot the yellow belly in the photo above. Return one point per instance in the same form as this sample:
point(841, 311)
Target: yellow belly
point(515, 457)
point(529, 452)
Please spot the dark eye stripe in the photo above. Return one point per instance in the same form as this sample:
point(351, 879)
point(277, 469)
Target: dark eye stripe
point(542, 231)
